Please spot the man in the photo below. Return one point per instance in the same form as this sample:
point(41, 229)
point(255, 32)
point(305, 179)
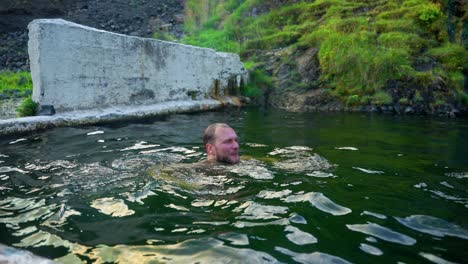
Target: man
point(221, 143)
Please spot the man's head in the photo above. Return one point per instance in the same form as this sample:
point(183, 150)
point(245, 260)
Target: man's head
point(221, 143)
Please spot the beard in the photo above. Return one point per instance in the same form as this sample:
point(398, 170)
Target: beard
point(230, 159)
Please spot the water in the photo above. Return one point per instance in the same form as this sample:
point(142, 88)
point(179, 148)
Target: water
point(311, 187)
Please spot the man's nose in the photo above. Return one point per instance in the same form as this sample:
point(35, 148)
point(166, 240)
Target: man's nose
point(235, 145)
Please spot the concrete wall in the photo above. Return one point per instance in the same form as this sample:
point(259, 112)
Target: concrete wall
point(77, 67)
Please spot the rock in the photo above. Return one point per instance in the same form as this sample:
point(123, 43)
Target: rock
point(409, 110)
point(46, 110)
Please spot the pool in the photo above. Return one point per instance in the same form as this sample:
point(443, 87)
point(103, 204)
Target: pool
point(311, 187)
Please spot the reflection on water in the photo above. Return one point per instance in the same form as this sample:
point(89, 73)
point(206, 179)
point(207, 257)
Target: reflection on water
point(309, 189)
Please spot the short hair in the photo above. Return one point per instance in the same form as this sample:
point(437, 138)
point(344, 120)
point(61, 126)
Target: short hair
point(209, 135)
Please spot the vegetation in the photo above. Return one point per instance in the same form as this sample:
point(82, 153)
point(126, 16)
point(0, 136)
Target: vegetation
point(15, 84)
point(27, 108)
point(363, 45)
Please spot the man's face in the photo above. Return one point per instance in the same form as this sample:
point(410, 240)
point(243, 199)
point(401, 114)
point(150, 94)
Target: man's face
point(226, 145)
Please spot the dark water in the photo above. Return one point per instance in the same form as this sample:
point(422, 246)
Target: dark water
point(312, 187)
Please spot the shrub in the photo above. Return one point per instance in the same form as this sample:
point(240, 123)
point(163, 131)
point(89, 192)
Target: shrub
point(404, 101)
point(27, 108)
point(382, 98)
point(463, 97)
point(259, 81)
point(353, 100)
point(429, 13)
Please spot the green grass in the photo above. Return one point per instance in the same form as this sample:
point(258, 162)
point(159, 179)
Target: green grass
point(19, 83)
point(27, 108)
point(363, 45)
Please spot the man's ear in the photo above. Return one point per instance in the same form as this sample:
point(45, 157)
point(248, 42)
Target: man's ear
point(209, 148)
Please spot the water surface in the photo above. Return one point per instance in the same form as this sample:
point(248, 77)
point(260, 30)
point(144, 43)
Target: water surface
point(311, 187)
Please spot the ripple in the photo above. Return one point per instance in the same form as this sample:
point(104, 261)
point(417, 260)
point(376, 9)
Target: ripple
point(434, 258)
point(320, 201)
point(202, 203)
point(243, 224)
point(297, 219)
point(205, 250)
point(433, 226)
point(48, 166)
point(17, 141)
point(144, 193)
point(316, 257)
point(98, 132)
point(273, 194)
point(299, 237)
point(58, 219)
point(383, 233)
point(111, 206)
point(370, 249)
point(303, 163)
point(446, 184)
point(252, 168)
point(25, 231)
point(368, 171)
point(458, 175)
point(259, 211)
point(235, 239)
point(177, 207)
point(321, 174)
point(140, 145)
point(380, 216)
point(347, 148)
point(10, 169)
point(256, 145)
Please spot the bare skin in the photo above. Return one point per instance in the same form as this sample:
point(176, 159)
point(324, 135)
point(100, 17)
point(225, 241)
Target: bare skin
point(225, 147)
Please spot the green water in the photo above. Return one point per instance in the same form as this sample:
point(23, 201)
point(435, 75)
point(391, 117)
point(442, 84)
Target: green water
point(311, 187)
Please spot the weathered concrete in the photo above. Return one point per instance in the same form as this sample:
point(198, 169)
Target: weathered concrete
point(112, 114)
point(76, 67)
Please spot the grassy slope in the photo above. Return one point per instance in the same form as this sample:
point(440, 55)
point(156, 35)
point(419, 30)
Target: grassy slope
point(364, 45)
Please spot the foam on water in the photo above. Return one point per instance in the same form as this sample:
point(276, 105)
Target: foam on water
point(299, 237)
point(383, 233)
point(111, 206)
point(433, 226)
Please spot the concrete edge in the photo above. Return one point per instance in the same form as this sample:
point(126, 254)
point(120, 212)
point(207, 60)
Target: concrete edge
point(112, 114)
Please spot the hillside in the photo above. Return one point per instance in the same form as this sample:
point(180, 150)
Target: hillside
point(405, 56)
